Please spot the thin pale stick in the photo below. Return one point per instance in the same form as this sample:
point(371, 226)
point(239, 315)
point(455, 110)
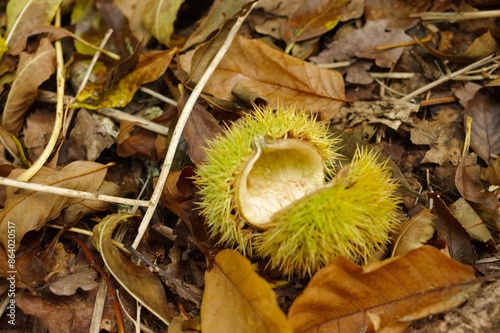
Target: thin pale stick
point(159, 96)
point(445, 78)
point(451, 17)
point(176, 135)
point(71, 193)
point(146, 124)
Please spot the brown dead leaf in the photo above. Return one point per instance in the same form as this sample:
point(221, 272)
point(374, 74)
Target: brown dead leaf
point(179, 188)
point(492, 172)
point(238, 299)
point(453, 233)
point(361, 43)
point(200, 128)
point(150, 67)
point(37, 131)
point(481, 47)
point(484, 109)
point(33, 69)
point(343, 297)
point(88, 138)
point(81, 277)
point(80, 175)
point(70, 314)
point(312, 19)
point(443, 134)
point(139, 281)
point(475, 190)
point(397, 11)
point(469, 219)
point(219, 12)
point(278, 78)
point(414, 232)
point(22, 15)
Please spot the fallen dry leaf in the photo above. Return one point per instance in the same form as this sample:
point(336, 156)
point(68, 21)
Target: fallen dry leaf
point(396, 11)
point(18, 209)
point(362, 42)
point(278, 78)
point(469, 219)
point(33, 69)
point(343, 297)
point(24, 14)
point(414, 232)
point(81, 277)
point(236, 298)
point(139, 281)
point(484, 111)
point(219, 12)
point(454, 235)
point(150, 67)
point(88, 138)
point(475, 190)
point(160, 17)
point(37, 131)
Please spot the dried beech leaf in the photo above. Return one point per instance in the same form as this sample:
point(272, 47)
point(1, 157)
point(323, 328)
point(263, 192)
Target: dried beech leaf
point(472, 223)
point(218, 13)
point(200, 128)
point(473, 189)
point(414, 232)
point(484, 108)
point(149, 67)
point(22, 15)
point(276, 77)
point(139, 281)
point(312, 19)
point(81, 277)
point(19, 206)
point(491, 174)
point(33, 70)
point(343, 297)
point(448, 229)
point(160, 17)
point(481, 47)
point(236, 298)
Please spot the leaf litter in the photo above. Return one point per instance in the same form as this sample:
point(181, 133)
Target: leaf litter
point(350, 63)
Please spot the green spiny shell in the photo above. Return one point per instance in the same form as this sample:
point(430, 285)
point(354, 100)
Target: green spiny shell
point(352, 217)
point(227, 155)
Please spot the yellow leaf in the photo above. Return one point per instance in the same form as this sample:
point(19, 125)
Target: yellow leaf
point(236, 299)
point(150, 67)
point(160, 18)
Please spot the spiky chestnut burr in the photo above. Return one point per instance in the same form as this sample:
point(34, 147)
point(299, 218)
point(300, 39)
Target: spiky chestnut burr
point(264, 191)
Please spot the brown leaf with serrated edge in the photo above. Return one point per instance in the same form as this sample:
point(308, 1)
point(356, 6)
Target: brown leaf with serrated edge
point(19, 206)
point(237, 299)
point(32, 71)
point(276, 77)
point(23, 15)
point(343, 297)
point(453, 233)
point(139, 281)
point(484, 109)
